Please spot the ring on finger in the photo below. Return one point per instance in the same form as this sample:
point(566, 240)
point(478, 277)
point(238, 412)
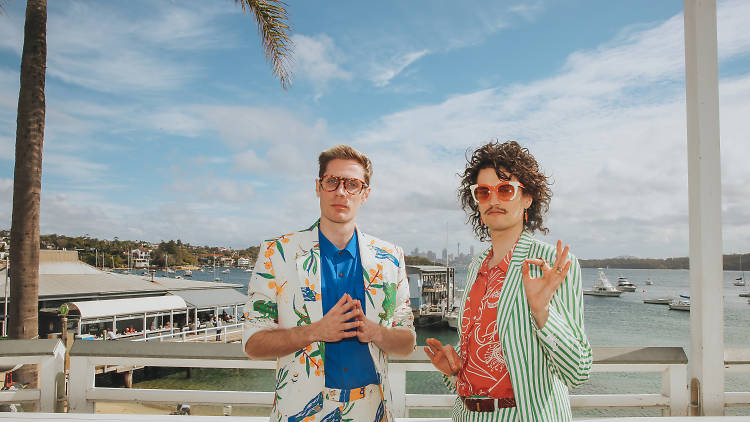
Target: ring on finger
point(557, 270)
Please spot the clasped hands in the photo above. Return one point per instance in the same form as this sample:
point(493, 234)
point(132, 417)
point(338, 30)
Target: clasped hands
point(345, 320)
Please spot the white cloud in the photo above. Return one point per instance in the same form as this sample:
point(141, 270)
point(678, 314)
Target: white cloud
point(609, 129)
point(528, 9)
point(317, 59)
point(6, 200)
point(384, 73)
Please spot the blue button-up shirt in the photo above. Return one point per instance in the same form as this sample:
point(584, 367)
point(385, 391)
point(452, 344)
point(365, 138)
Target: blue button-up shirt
point(348, 363)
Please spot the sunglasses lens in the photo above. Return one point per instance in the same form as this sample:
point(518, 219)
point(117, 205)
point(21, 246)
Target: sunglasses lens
point(482, 193)
point(330, 183)
point(353, 186)
point(505, 192)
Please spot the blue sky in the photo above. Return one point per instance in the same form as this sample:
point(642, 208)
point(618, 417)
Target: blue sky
point(164, 120)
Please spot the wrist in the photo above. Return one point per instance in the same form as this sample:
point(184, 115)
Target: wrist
point(380, 333)
point(308, 333)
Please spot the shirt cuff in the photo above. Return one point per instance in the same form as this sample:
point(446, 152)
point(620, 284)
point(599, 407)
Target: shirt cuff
point(549, 333)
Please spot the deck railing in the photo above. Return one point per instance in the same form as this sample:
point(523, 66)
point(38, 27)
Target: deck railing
point(737, 360)
point(49, 354)
point(85, 356)
point(671, 362)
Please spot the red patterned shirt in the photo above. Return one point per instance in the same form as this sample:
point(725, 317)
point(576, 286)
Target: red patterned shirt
point(484, 372)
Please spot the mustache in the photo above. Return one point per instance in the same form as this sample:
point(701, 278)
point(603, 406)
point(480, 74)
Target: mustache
point(496, 208)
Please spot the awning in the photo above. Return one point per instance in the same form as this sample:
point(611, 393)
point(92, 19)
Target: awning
point(103, 308)
point(210, 298)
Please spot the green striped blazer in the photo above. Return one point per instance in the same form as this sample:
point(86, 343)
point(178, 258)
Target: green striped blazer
point(542, 364)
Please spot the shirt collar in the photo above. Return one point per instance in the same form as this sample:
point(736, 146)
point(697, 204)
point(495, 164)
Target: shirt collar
point(329, 249)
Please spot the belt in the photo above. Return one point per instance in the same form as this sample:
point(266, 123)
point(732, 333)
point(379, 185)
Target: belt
point(352, 394)
point(487, 404)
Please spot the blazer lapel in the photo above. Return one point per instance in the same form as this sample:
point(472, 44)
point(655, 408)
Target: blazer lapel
point(513, 283)
point(307, 260)
point(372, 276)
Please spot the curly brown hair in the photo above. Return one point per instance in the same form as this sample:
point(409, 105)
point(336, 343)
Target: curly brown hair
point(517, 161)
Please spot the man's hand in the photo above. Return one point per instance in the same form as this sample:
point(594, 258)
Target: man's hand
point(539, 290)
point(368, 331)
point(334, 326)
point(443, 357)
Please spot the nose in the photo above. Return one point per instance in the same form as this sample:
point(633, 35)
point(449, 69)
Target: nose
point(340, 190)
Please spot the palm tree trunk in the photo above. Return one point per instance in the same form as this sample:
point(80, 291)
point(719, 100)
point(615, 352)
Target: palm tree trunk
point(27, 184)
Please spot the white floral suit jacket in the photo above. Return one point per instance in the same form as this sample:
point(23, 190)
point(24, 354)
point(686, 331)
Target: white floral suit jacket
point(284, 292)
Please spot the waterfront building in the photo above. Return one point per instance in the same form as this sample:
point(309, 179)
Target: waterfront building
point(140, 258)
point(99, 299)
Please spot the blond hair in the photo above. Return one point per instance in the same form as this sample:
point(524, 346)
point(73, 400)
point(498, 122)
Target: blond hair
point(344, 152)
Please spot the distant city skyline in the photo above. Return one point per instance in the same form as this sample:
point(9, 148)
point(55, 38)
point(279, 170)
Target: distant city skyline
point(168, 124)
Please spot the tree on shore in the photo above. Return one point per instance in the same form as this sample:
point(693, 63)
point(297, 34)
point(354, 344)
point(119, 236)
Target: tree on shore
point(271, 17)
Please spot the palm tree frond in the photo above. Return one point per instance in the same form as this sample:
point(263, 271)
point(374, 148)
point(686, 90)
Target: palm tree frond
point(274, 30)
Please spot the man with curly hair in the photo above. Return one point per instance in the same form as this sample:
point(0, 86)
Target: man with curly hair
point(331, 304)
point(521, 337)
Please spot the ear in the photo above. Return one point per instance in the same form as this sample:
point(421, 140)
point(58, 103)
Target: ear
point(365, 195)
point(527, 200)
point(317, 188)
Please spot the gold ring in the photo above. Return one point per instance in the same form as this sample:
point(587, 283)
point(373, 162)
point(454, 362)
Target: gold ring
point(557, 270)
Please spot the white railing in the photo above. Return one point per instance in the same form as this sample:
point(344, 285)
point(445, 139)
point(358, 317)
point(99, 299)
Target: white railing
point(220, 334)
point(49, 354)
point(85, 356)
point(737, 360)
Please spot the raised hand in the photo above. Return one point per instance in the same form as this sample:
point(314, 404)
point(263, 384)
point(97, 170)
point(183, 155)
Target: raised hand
point(443, 357)
point(334, 326)
point(539, 290)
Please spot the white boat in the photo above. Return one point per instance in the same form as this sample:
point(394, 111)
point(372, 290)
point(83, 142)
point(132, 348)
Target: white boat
point(603, 287)
point(649, 282)
point(740, 281)
point(187, 273)
point(249, 269)
point(624, 285)
point(680, 304)
point(745, 294)
point(224, 271)
point(659, 300)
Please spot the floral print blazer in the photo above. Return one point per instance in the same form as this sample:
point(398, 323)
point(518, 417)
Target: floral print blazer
point(284, 292)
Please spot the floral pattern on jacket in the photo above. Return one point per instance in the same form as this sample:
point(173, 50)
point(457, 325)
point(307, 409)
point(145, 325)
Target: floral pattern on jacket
point(285, 292)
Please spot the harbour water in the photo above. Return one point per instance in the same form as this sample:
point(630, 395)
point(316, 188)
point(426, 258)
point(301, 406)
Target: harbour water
point(610, 321)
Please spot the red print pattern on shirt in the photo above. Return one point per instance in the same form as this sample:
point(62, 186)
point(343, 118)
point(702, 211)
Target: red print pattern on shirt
point(484, 372)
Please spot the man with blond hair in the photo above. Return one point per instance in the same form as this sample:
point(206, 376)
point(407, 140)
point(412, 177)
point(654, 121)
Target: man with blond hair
point(331, 303)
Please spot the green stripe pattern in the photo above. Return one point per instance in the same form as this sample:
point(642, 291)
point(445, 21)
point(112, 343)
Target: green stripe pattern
point(542, 364)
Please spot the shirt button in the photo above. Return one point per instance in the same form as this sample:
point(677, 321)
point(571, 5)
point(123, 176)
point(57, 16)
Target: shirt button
point(341, 252)
point(346, 369)
point(341, 274)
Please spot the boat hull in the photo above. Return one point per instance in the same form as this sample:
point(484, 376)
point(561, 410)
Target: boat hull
point(595, 293)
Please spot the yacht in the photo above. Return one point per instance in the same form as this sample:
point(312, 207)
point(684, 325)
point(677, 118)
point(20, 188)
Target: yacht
point(680, 304)
point(602, 287)
point(187, 273)
point(624, 285)
point(649, 282)
point(225, 271)
point(659, 300)
point(740, 281)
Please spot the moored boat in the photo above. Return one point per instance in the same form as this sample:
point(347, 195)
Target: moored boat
point(680, 304)
point(623, 284)
point(603, 287)
point(659, 300)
